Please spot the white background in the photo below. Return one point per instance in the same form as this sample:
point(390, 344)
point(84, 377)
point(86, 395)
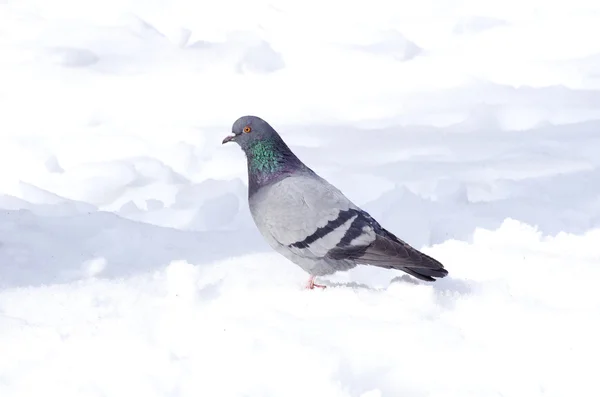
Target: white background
point(129, 264)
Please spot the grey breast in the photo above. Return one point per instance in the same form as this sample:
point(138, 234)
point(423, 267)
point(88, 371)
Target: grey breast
point(289, 213)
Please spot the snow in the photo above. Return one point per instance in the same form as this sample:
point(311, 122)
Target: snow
point(129, 264)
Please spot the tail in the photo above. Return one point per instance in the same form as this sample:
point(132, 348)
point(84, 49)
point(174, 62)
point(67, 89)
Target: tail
point(389, 252)
point(427, 273)
point(386, 251)
point(426, 269)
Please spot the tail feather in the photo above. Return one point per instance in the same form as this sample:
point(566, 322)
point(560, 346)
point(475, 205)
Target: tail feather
point(425, 274)
point(406, 258)
point(389, 252)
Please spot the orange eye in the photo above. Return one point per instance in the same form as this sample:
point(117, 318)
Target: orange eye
point(247, 129)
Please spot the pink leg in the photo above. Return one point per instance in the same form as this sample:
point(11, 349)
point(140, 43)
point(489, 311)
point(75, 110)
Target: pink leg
point(311, 284)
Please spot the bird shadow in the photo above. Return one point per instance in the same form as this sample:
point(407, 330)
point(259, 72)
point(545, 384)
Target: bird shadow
point(443, 285)
point(351, 284)
point(453, 285)
point(405, 279)
point(446, 290)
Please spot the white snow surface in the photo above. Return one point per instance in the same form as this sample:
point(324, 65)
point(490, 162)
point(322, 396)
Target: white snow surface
point(130, 266)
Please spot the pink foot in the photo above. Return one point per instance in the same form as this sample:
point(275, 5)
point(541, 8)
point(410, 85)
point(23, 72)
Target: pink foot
point(311, 284)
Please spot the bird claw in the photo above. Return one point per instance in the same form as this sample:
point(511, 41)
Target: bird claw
point(311, 284)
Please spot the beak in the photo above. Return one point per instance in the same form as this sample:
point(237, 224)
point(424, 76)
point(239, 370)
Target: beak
point(228, 138)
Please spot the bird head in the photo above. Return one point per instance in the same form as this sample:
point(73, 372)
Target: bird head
point(250, 129)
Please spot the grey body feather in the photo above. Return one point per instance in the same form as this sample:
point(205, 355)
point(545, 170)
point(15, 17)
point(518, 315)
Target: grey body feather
point(312, 223)
point(294, 208)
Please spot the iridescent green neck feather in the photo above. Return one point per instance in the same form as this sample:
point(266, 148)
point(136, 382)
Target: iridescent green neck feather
point(263, 157)
point(270, 160)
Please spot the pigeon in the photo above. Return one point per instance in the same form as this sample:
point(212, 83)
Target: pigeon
point(311, 222)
